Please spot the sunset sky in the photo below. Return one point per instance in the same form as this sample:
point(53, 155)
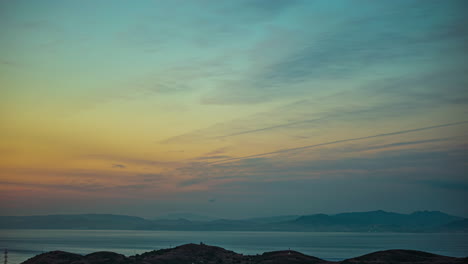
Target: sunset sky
point(233, 108)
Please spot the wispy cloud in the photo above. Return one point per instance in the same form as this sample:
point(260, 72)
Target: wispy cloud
point(344, 141)
point(105, 187)
point(131, 160)
point(405, 143)
point(419, 167)
point(218, 151)
point(357, 44)
point(297, 116)
point(213, 157)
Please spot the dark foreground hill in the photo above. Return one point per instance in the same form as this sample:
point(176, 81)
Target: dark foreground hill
point(193, 253)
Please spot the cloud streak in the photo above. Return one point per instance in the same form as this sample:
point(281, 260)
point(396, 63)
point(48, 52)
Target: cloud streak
point(342, 141)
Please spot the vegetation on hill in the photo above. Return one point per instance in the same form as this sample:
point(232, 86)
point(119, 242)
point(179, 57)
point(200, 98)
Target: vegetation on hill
point(194, 253)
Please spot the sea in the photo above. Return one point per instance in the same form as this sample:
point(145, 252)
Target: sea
point(26, 243)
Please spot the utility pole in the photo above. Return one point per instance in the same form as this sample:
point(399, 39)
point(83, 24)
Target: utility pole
point(6, 256)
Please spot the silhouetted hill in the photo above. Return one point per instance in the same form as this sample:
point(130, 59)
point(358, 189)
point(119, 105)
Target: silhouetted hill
point(60, 257)
point(286, 256)
point(272, 219)
point(193, 253)
point(373, 221)
point(105, 257)
point(55, 257)
point(403, 256)
point(83, 221)
point(190, 253)
point(188, 216)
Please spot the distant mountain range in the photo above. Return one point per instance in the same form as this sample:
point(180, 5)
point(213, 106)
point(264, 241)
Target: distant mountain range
point(373, 221)
point(192, 253)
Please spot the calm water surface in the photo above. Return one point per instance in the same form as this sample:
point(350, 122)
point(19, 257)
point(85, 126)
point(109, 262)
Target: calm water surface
point(23, 244)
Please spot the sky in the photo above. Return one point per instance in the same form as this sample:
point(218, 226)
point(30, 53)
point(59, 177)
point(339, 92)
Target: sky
point(233, 109)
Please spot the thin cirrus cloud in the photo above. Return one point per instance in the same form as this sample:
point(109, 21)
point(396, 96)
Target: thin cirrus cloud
point(213, 157)
point(411, 176)
point(347, 140)
point(423, 164)
point(390, 36)
point(301, 108)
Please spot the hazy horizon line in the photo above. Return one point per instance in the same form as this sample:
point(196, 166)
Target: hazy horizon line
point(159, 217)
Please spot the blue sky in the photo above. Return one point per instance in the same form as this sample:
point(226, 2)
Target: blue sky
point(233, 108)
